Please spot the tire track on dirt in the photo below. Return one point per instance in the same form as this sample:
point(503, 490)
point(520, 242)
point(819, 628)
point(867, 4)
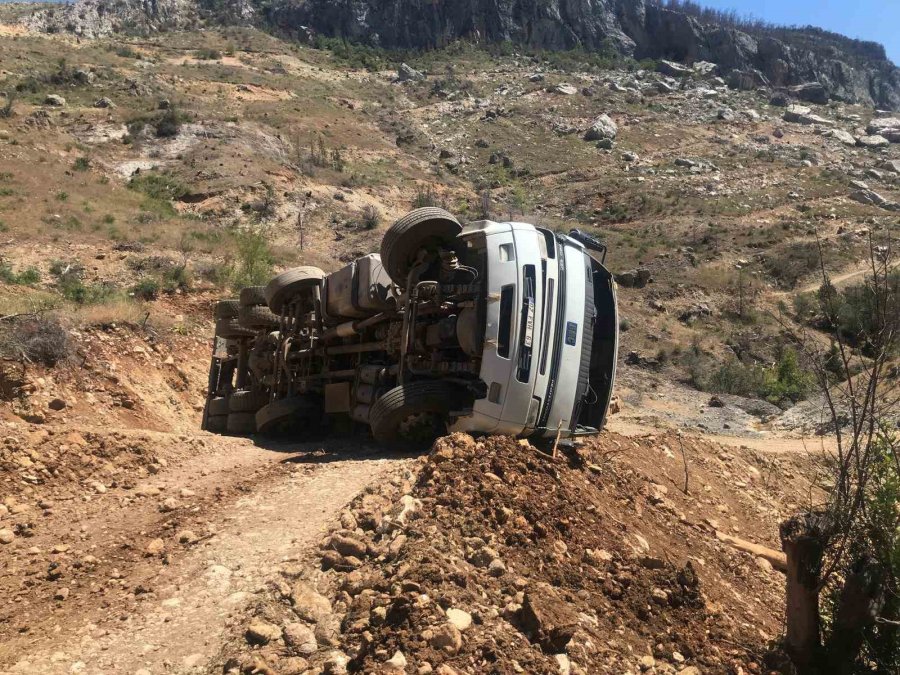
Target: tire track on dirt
point(169, 611)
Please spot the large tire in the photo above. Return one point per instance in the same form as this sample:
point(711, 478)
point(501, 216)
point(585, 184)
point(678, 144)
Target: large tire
point(288, 415)
point(246, 400)
point(230, 328)
point(287, 285)
point(257, 318)
point(428, 227)
point(414, 412)
point(217, 424)
point(218, 406)
point(252, 296)
point(226, 309)
point(241, 423)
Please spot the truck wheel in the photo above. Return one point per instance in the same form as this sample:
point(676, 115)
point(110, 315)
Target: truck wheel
point(256, 318)
point(241, 423)
point(287, 285)
point(297, 414)
point(252, 296)
point(413, 413)
point(218, 406)
point(230, 328)
point(217, 424)
point(246, 400)
point(428, 227)
point(226, 309)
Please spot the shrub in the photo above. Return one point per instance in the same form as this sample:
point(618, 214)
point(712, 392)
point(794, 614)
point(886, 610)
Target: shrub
point(370, 217)
point(39, 339)
point(27, 277)
point(162, 186)
point(75, 290)
point(146, 289)
point(426, 196)
point(209, 54)
point(168, 124)
point(82, 164)
point(252, 264)
point(7, 110)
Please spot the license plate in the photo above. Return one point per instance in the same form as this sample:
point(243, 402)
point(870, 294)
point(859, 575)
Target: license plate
point(529, 324)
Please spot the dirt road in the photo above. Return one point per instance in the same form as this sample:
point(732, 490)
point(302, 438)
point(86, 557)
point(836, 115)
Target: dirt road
point(148, 576)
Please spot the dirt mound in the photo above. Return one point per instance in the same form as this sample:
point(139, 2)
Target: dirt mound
point(502, 558)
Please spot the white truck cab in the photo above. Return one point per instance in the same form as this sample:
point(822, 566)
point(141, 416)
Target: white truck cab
point(550, 336)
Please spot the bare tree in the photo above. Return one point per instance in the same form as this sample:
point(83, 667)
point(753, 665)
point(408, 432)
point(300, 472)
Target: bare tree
point(848, 547)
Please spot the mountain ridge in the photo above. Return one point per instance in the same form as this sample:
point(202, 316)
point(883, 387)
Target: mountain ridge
point(849, 70)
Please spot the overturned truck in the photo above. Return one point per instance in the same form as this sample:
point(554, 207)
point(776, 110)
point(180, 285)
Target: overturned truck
point(493, 327)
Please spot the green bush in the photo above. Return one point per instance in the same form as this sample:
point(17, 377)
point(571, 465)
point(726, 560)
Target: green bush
point(146, 289)
point(75, 290)
point(252, 262)
point(82, 164)
point(161, 186)
point(27, 277)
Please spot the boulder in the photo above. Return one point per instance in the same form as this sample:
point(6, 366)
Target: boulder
point(844, 137)
point(872, 198)
point(308, 603)
point(55, 100)
point(673, 69)
point(564, 89)
point(780, 99)
point(813, 92)
point(547, 619)
point(883, 124)
point(406, 73)
point(875, 141)
point(800, 114)
point(602, 128)
point(746, 80)
point(104, 103)
point(892, 165)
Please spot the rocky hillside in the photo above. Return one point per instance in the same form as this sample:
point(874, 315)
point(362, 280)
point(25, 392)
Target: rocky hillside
point(847, 70)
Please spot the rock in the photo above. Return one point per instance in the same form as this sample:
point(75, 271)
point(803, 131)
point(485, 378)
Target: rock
point(497, 568)
point(606, 144)
point(335, 663)
point(406, 73)
point(168, 505)
point(396, 662)
point(261, 632)
point(873, 141)
point(155, 547)
point(659, 596)
point(348, 545)
point(872, 198)
point(459, 618)
point(780, 100)
point(690, 670)
point(800, 114)
point(300, 638)
point(746, 80)
point(61, 594)
point(308, 603)
point(446, 638)
point(484, 556)
point(536, 77)
point(55, 100)
point(673, 69)
point(164, 104)
point(892, 165)
point(636, 278)
point(880, 125)
point(563, 663)
point(57, 404)
point(104, 103)
point(6, 536)
point(844, 137)
point(726, 115)
point(716, 402)
point(630, 156)
point(646, 662)
point(565, 89)
point(547, 620)
point(602, 128)
point(764, 565)
point(813, 92)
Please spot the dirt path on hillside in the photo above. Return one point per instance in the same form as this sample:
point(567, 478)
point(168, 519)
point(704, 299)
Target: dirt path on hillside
point(151, 577)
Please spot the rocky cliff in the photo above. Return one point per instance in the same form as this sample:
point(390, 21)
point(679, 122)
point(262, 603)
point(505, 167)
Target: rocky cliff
point(847, 70)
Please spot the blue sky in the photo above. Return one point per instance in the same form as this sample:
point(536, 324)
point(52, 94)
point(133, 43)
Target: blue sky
point(876, 20)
